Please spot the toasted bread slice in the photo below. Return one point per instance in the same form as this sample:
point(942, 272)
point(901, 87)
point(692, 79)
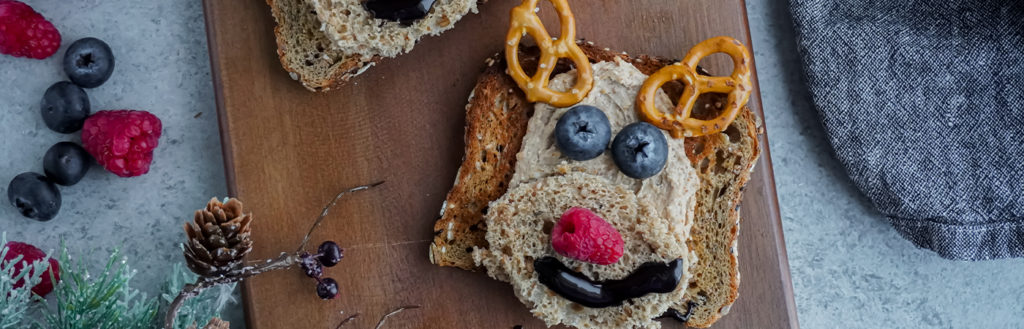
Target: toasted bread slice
point(306, 52)
point(355, 30)
point(496, 118)
point(723, 162)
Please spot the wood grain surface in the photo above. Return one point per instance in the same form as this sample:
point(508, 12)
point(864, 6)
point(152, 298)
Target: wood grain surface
point(288, 151)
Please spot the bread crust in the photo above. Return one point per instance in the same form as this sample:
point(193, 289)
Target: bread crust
point(720, 192)
point(338, 70)
point(723, 162)
point(496, 118)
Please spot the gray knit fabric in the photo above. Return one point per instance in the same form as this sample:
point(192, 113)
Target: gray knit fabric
point(923, 102)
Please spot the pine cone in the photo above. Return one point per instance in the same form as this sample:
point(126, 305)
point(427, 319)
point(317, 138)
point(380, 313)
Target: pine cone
point(218, 239)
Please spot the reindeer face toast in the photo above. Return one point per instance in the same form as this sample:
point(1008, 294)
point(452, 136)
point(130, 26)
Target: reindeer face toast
point(654, 215)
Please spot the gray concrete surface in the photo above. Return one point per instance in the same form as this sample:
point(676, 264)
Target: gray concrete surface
point(162, 66)
point(850, 269)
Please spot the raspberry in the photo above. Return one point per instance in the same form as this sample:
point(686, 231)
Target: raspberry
point(122, 141)
point(25, 33)
point(582, 235)
point(32, 254)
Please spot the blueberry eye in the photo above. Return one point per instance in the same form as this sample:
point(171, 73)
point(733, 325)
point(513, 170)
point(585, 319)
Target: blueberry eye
point(640, 150)
point(582, 133)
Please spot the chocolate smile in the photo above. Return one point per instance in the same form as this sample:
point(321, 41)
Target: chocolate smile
point(646, 279)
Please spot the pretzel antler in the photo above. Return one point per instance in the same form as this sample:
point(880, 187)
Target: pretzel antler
point(525, 20)
point(737, 85)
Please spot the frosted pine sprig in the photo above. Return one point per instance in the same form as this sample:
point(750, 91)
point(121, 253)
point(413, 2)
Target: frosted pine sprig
point(106, 301)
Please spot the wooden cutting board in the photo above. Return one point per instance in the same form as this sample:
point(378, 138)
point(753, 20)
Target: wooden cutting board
point(288, 151)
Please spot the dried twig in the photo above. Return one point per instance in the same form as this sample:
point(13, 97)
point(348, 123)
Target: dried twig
point(194, 289)
point(328, 208)
point(403, 308)
point(346, 320)
point(285, 260)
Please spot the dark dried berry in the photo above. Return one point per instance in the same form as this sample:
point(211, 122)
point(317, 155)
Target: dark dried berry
point(330, 253)
point(327, 289)
point(311, 266)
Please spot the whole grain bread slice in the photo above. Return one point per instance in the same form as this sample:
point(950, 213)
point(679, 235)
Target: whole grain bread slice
point(305, 50)
point(354, 30)
point(496, 119)
point(723, 162)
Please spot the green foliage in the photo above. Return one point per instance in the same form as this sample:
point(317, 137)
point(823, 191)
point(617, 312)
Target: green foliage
point(200, 309)
point(15, 303)
point(107, 301)
point(103, 302)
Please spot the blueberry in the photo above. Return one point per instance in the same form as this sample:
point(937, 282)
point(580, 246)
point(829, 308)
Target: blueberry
point(327, 288)
point(89, 62)
point(35, 196)
point(640, 150)
point(582, 133)
point(65, 107)
point(330, 253)
point(66, 163)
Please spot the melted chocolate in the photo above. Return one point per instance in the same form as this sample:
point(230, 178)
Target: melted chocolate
point(404, 11)
point(679, 316)
point(574, 286)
